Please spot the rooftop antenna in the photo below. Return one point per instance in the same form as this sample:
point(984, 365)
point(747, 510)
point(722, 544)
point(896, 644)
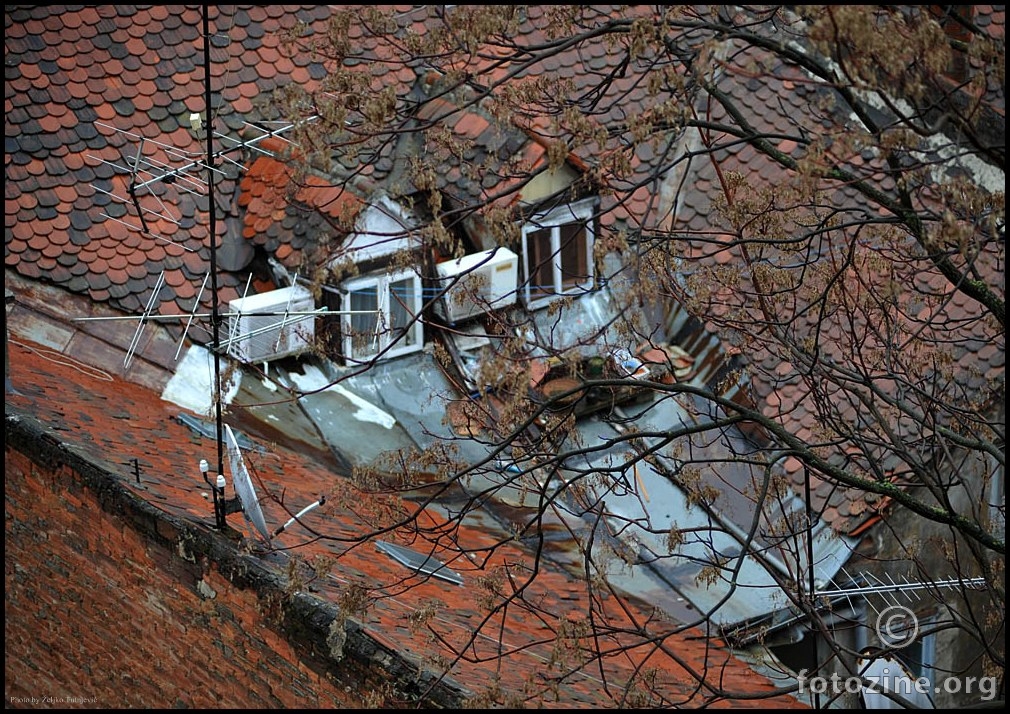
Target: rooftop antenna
point(246, 501)
point(155, 163)
point(890, 589)
point(145, 171)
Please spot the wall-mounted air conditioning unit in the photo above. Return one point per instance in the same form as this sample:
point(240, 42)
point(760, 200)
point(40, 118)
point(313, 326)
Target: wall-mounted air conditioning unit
point(486, 281)
point(271, 325)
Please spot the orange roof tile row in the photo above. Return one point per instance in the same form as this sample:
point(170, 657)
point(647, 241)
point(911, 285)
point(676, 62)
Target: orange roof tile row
point(116, 422)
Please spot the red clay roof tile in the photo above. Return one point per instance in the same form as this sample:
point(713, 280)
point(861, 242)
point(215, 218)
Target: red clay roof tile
point(117, 422)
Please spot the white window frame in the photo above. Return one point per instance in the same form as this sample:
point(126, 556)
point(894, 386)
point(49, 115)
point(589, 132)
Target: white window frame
point(383, 338)
point(581, 212)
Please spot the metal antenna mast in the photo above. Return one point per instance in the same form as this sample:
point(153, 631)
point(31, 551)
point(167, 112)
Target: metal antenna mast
point(146, 170)
point(215, 317)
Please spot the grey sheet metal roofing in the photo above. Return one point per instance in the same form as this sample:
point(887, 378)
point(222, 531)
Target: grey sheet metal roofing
point(401, 404)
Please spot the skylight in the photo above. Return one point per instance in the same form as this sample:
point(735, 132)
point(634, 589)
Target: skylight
point(422, 564)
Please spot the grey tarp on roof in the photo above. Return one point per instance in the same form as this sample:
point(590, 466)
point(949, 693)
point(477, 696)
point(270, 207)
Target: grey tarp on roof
point(351, 417)
point(395, 404)
point(644, 505)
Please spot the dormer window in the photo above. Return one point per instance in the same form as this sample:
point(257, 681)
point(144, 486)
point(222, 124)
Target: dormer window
point(382, 319)
point(558, 253)
point(379, 305)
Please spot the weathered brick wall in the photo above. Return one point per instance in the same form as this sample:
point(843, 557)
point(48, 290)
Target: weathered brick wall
point(110, 602)
point(98, 614)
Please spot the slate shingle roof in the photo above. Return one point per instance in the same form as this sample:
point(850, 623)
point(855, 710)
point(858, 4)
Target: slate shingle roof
point(84, 87)
point(285, 217)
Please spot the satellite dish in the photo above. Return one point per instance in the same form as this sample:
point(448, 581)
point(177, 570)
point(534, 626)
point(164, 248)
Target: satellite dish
point(244, 487)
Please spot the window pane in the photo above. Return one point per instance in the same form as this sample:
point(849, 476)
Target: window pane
point(402, 307)
point(540, 263)
point(364, 338)
point(574, 261)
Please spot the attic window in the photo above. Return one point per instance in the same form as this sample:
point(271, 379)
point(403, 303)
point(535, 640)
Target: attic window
point(558, 253)
point(425, 565)
point(383, 318)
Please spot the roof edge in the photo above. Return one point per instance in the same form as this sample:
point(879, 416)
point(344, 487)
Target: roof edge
point(307, 622)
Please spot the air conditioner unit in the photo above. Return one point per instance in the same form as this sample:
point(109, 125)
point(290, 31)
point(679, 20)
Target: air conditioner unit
point(483, 281)
point(271, 325)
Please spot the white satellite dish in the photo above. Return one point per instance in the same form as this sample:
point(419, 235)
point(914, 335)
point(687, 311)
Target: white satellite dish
point(244, 487)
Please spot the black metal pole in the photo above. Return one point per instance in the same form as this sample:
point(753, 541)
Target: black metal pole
point(215, 317)
point(8, 385)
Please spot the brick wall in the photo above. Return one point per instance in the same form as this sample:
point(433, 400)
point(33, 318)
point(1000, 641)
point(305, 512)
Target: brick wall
point(112, 603)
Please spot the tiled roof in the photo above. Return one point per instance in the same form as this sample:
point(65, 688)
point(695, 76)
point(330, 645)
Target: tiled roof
point(85, 85)
point(114, 422)
point(285, 219)
point(489, 160)
point(594, 58)
point(773, 104)
point(90, 89)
